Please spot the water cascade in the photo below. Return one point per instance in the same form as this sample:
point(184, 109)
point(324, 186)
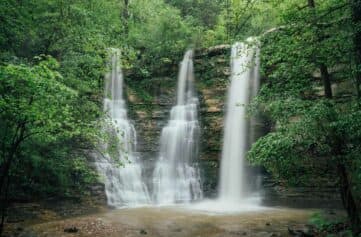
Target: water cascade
point(233, 185)
point(123, 183)
point(176, 176)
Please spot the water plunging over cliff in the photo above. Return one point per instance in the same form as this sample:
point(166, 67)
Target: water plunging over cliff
point(123, 184)
point(233, 186)
point(176, 176)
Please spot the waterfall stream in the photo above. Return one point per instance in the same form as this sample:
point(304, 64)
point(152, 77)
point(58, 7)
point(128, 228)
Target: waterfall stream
point(123, 182)
point(233, 185)
point(176, 176)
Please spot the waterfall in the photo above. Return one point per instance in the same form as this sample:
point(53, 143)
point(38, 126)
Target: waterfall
point(176, 176)
point(233, 185)
point(123, 182)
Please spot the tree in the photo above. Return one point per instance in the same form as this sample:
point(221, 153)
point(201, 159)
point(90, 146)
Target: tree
point(204, 12)
point(312, 132)
point(158, 35)
point(33, 103)
point(48, 158)
point(356, 20)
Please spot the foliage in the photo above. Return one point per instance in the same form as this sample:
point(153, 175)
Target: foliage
point(36, 112)
point(316, 128)
point(52, 62)
point(318, 220)
point(239, 19)
point(77, 35)
point(292, 94)
point(203, 12)
point(152, 36)
point(326, 225)
point(158, 39)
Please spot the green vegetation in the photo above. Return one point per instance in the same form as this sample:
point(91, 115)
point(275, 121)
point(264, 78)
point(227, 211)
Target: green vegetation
point(53, 57)
point(317, 125)
point(52, 65)
point(326, 225)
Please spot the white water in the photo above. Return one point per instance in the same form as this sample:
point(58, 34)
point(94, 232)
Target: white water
point(123, 184)
point(233, 185)
point(176, 176)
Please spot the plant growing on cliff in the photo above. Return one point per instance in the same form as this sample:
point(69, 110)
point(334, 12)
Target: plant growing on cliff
point(314, 123)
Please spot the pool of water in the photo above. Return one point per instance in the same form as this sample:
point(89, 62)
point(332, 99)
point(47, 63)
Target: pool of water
point(200, 219)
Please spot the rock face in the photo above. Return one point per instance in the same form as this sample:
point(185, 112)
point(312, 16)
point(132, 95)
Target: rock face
point(149, 107)
point(151, 115)
point(97, 192)
point(212, 76)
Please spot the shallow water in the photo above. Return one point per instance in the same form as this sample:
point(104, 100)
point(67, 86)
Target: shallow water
point(180, 221)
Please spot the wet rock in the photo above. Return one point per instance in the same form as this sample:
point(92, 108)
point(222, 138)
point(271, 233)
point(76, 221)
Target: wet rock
point(331, 212)
point(14, 220)
point(266, 234)
point(97, 187)
point(240, 233)
point(143, 232)
point(300, 231)
point(19, 228)
point(212, 51)
point(275, 235)
point(71, 229)
point(27, 233)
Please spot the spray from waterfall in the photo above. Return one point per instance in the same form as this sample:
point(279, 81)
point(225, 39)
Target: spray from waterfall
point(234, 185)
point(176, 175)
point(123, 183)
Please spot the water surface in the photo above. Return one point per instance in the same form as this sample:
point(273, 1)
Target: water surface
point(179, 221)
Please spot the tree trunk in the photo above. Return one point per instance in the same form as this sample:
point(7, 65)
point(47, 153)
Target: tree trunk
point(5, 177)
point(326, 81)
point(5, 173)
point(4, 188)
point(9, 154)
point(125, 16)
point(348, 200)
point(356, 19)
point(4, 205)
point(345, 182)
point(311, 3)
point(325, 75)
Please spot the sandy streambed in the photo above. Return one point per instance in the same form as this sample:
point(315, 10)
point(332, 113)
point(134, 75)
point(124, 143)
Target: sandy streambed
point(177, 222)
